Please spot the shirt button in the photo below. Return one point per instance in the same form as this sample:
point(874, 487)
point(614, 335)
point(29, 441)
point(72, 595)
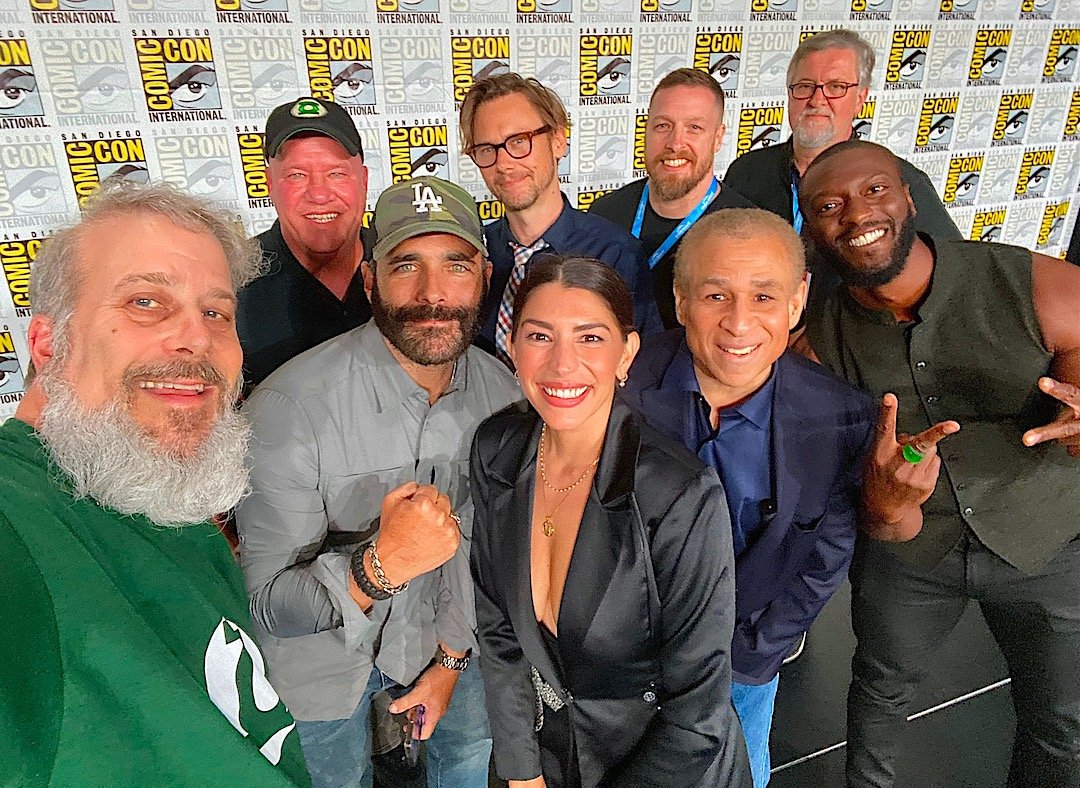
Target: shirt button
point(953, 457)
point(968, 510)
point(931, 399)
point(649, 697)
point(961, 486)
point(920, 365)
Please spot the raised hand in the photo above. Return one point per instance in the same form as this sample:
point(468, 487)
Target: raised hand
point(418, 532)
point(900, 475)
point(1065, 429)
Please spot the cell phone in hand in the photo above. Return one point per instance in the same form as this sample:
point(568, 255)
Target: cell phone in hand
point(413, 730)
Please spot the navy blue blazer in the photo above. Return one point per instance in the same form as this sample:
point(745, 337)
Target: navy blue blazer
point(822, 429)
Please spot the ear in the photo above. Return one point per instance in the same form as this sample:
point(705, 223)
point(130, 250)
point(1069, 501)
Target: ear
point(368, 271)
point(558, 143)
point(863, 93)
point(39, 336)
point(680, 304)
point(798, 301)
point(630, 351)
point(718, 141)
point(487, 270)
point(910, 202)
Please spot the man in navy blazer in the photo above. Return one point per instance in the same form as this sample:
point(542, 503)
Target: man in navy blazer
point(786, 436)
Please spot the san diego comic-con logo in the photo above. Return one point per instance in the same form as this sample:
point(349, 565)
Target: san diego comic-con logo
point(73, 12)
point(1053, 223)
point(962, 180)
point(544, 12)
point(871, 10)
point(773, 10)
point(253, 167)
point(1011, 122)
point(1037, 9)
point(262, 72)
point(603, 142)
point(408, 12)
point(906, 65)
point(586, 197)
point(760, 126)
point(91, 161)
point(490, 210)
point(988, 56)
point(179, 78)
point(12, 383)
point(1034, 174)
point(418, 150)
point(957, 10)
point(411, 73)
point(720, 53)
point(340, 68)
point(88, 77)
point(936, 121)
point(252, 11)
point(20, 98)
point(16, 257)
point(641, 120)
point(665, 10)
point(988, 225)
point(1060, 63)
point(604, 66)
point(30, 187)
point(197, 160)
point(864, 121)
point(477, 57)
point(1072, 119)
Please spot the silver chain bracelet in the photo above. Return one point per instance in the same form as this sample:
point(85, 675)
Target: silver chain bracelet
point(380, 575)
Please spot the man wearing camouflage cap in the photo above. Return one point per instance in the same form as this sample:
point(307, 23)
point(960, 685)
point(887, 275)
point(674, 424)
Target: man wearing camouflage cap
point(351, 541)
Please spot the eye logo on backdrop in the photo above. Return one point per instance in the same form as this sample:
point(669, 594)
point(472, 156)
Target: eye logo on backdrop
point(31, 194)
point(720, 53)
point(906, 65)
point(262, 72)
point(92, 161)
point(1034, 174)
point(962, 180)
point(252, 11)
point(476, 57)
point(16, 257)
point(1013, 114)
point(340, 69)
point(864, 121)
point(197, 161)
point(602, 145)
point(1053, 222)
point(988, 56)
point(411, 73)
point(604, 65)
point(12, 384)
point(988, 225)
point(73, 12)
point(418, 150)
point(936, 121)
point(20, 97)
point(88, 77)
point(871, 10)
point(179, 78)
point(1072, 119)
point(957, 10)
point(773, 10)
point(665, 10)
point(759, 127)
point(1060, 63)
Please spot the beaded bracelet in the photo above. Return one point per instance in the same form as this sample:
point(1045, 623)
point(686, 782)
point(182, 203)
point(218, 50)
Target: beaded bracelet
point(361, 577)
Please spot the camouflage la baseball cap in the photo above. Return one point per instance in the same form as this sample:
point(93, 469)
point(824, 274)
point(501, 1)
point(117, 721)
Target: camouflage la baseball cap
point(423, 205)
point(312, 115)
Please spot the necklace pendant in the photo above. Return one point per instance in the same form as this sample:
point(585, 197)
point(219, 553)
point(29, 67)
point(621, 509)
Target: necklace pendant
point(548, 527)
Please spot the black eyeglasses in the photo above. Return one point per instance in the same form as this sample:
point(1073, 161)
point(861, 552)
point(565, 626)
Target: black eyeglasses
point(830, 90)
point(518, 147)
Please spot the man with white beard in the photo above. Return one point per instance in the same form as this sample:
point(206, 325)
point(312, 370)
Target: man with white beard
point(125, 648)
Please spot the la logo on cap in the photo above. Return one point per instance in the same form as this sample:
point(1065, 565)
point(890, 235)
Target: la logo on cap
point(307, 108)
point(425, 200)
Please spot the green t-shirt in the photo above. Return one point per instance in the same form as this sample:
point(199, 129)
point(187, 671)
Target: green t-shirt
point(124, 653)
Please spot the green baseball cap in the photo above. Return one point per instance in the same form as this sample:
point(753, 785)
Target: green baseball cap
point(423, 205)
point(311, 115)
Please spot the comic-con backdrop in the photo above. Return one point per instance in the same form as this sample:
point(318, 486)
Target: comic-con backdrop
point(981, 94)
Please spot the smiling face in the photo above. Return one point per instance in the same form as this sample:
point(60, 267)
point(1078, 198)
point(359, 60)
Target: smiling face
point(519, 183)
point(569, 353)
point(738, 299)
point(685, 130)
point(319, 192)
point(858, 213)
point(154, 328)
point(818, 122)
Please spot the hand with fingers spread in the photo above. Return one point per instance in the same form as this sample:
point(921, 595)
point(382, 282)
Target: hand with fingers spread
point(418, 532)
point(1065, 429)
point(900, 474)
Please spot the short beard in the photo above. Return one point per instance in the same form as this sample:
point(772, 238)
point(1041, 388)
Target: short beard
point(864, 279)
point(675, 187)
point(823, 139)
point(426, 346)
point(108, 457)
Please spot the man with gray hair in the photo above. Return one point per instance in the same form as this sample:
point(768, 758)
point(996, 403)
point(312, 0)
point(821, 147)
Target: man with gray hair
point(828, 80)
point(126, 650)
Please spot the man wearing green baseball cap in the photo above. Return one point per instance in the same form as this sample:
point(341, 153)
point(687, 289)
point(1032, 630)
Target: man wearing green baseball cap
point(351, 540)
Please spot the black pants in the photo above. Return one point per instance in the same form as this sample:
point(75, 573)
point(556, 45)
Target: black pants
point(901, 615)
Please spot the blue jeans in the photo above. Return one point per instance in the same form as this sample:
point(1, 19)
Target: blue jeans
point(338, 752)
point(754, 705)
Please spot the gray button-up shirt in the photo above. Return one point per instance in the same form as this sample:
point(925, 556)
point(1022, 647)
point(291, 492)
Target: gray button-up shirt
point(336, 429)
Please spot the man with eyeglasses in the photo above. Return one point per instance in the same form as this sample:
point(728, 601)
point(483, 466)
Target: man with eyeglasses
point(514, 129)
point(828, 81)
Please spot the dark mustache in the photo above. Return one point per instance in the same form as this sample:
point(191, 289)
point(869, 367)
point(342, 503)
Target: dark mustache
point(418, 313)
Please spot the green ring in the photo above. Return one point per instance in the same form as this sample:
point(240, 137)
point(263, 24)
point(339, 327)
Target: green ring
point(911, 455)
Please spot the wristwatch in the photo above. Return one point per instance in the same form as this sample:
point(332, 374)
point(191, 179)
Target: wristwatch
point(451, 663)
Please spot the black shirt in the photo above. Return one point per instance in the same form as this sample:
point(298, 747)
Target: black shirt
point(287, 310)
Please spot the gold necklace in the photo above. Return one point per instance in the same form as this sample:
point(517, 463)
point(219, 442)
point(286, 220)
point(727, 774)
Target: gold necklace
point(548, 526)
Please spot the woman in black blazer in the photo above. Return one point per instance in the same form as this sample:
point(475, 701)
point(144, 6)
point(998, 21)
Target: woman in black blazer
point(602, 562)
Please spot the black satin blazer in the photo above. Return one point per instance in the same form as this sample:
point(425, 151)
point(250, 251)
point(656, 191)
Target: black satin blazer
point(647, 613)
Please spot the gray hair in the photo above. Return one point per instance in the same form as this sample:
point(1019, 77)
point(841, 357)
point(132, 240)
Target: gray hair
point(841, 38)
point(743, 224)
point(55, 276)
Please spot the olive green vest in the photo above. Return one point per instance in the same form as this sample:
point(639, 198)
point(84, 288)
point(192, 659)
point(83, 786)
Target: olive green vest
point(974, 354)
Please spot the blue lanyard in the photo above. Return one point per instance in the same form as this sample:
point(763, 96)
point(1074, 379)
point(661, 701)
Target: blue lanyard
point(796, 214)
point(681, 228)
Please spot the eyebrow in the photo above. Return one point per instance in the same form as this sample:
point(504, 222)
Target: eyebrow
point(453, 256)
point(725, 282)
point(159, 279)
point(580, 327)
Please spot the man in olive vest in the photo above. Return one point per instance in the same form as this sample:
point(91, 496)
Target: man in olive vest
point(978, 346)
